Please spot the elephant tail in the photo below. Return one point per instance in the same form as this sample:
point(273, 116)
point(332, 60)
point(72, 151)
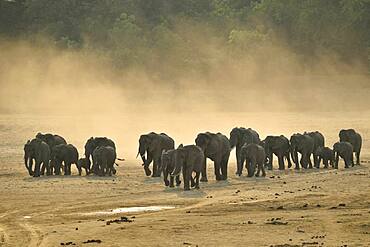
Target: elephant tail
point(116, 164)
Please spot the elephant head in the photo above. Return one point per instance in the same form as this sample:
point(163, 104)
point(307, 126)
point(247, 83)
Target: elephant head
point(147, 144)
point(179, 157)
point(346, 135)
point(202, 140)
point(89, 148)
point(236, 137)
point(295, 146)
point(28, 157)
point(166, 161)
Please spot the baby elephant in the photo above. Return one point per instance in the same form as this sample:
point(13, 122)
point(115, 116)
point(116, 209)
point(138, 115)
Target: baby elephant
point(189, 159)
point(168, 165)
point(254, 155)
point(83, 163)
point(345, 151)
point(325, 154)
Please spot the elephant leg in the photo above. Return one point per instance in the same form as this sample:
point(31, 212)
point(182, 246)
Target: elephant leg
point(281, 162)
point(37, 169)
point(263, 171)
point(288, 159)
point(336, 161)
point(186, 177)
point(239, 165)
point(303, 161)
point(346, 162)
point(295, 160)
point(165, 178)
point(79, 170)
point(258, 171)
point(172, 182)
point(309, 161)
point(271, 160)
point(156, 169)
point(204, 171)
point(43, 168)
point(217, 166)
point(358, 162)
point(66, 168)
point(178, 181)
point(197, 175)
point(192, 180)
point(47, 165)
point(250, 164)
point(224, 162)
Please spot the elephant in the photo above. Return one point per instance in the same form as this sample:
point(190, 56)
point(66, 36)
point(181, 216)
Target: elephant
point(254, 155)
point(104, 158)
point(319, 141)
point(83, 163)
point(152, 144)
point(91, 144)
point(189, 159)
point(345, 151)
point(67, 154)
point(217, 148)
point(168, 165)
point(37, 150)
point(51, 139)
point(280, 146)
point(303, 144)
point(351, 136)
point(326, 154)
point(238, 137)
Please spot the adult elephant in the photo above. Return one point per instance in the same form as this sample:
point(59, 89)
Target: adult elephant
point(67, 154)
point(280, 146)
point(239, 137)
point(217, 148)
point(345, 151)
point(304, 145)
point(51, 139)
point(351, 136)
point(152, 144)
point(91, 144)
point(318, 142)
point(39, 151)
point(104, 158)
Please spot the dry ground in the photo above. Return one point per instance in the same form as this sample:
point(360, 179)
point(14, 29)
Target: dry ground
point(287, 208)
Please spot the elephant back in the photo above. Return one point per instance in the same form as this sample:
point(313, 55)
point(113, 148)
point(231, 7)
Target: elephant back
point(166, 142)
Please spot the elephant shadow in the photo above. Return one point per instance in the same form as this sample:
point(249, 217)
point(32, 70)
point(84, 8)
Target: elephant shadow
point(193, 193)
point(151, 180)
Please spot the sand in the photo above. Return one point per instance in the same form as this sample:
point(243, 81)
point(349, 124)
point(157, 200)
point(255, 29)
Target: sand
point(324, 207)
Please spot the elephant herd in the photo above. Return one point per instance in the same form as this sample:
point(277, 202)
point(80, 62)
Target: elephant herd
point(52, 154)
point(252, 152)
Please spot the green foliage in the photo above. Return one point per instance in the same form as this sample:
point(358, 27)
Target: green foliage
point(182, 34)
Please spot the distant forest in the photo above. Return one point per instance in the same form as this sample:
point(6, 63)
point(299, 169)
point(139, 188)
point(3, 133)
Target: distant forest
point(173, 36)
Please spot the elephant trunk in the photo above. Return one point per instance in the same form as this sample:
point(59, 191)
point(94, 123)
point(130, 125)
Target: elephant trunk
point(141, 152)
point(177, 170)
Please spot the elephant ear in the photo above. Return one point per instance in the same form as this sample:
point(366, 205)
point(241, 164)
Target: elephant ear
point(153, 142)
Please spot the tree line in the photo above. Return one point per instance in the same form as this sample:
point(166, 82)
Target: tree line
point(194, 35)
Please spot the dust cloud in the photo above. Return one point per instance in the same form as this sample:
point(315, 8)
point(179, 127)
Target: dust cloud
point(78, 94)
